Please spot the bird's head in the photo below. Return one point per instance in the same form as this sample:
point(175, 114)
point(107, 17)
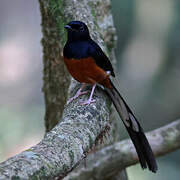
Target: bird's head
point(77, 31)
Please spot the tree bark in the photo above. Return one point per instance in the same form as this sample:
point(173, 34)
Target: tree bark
point(112, 159)
point(55, 14)
point(65, 145)
point(68, 143)
point(80, 128)
point(56, 78)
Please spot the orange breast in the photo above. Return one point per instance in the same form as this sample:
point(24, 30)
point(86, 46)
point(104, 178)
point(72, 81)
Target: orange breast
point(86, 70)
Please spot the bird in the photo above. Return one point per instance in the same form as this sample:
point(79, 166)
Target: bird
point(89, 65)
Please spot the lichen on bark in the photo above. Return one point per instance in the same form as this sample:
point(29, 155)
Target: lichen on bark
point(80, 126)
point(55, 14)
point(56, 78)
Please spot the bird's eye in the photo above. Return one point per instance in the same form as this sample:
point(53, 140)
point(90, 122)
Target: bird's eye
point(81, 28)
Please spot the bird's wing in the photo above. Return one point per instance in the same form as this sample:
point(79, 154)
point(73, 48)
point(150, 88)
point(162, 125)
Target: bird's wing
point(99, 56)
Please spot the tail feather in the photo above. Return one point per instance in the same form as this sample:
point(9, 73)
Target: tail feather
point(142, 146)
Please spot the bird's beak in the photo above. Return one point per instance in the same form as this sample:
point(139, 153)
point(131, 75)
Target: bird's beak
point(67, 27)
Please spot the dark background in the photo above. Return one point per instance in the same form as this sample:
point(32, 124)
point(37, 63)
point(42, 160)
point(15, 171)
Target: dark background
point(148, 51)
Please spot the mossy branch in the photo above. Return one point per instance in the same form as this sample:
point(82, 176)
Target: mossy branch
point(80, 127)
point(64, 146)
point(112, 159)
point(68, 143)
point(55, 14)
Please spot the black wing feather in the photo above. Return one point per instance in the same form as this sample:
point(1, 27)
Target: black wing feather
point(99, 56)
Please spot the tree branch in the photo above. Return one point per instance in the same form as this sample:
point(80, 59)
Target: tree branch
point(64, 146)
point(81, 127)
point(55, 14)
point(67, 144)
point(112, 159)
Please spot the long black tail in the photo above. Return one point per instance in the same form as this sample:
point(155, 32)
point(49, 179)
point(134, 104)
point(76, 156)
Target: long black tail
point(143, 149)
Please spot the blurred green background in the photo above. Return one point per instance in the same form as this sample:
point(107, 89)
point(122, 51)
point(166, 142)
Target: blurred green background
point(148, 51)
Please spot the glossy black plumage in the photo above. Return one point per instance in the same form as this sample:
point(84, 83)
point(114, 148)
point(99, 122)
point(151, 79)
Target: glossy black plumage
point(79, 47)
point(82, 49)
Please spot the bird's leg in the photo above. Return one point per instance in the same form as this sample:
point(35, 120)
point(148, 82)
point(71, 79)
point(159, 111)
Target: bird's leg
point(90, 100)
point(78, 93)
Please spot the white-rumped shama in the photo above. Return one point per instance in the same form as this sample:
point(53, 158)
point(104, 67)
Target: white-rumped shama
point(88, 64)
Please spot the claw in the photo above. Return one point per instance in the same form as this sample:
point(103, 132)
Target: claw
point(76, 96)
point(90, 100)
point(79, 93)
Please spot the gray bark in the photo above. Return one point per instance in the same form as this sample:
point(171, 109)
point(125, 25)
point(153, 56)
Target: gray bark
point(56, 78)
point(69, 142)
point(81, 127)
point(65, 145)
point(112, 159)
point(55, 14)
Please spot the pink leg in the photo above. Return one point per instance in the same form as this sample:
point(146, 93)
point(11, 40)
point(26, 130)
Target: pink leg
point(90, 100)
point(79, 93)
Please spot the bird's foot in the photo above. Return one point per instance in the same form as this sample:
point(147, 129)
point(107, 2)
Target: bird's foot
point(89, 101)
point(79, 93)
